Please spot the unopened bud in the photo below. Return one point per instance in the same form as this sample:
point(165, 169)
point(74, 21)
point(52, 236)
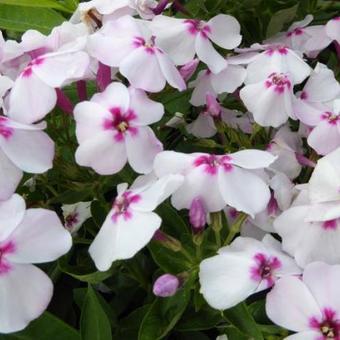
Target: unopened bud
point(166, 285)
point(167, 241)
point(189, 69)
point(197, 215)
point(213, 106)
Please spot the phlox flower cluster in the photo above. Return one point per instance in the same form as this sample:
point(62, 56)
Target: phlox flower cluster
point(280, 197)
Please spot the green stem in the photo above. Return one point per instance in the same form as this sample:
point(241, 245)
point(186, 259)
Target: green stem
point(235, 228)
point(216, 224)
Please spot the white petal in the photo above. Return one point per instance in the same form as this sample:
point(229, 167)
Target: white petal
point(203, 126)
point(102, 153)
point(225, 31)
point(252, 159)
point(11, 214)
point(225, 280)
point(333, 29)
point(202, 86)
point(142, 70)
point(123, 239)
point(10, 176)
point(25, 293)
point(40, 237)
point(171, 162)
point(207, 53)
point(170, 72)
point(142, 148)
point(147, 110)
point(31, 151)
point(157, 192)
point(30, 99)
point(291, 305)
point(243, 190)
point(229, 79)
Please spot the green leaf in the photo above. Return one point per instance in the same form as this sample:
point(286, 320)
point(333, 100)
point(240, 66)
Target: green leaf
point(240, 317)
point(94, 323)
point(82, 273)
point(279, 19)
point(47, 327)
point(39, 3)
point(20, 19)
point(163, 314)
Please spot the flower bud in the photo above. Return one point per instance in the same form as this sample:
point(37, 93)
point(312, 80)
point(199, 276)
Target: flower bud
point(213, 106)
point(197, 215)
point(189, 69)
point(304, 161)
point(166, 285)
point(167, 241)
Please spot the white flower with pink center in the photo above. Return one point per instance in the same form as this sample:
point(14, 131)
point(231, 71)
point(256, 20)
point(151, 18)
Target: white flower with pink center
point(112, 129)
point(22, 148)
point(183, 38)
point(309, 306)
point(131, 223)
point(271, 100)
point(128, 43)
point(311, 232)
point(218, 180)
point(333, 29)
point(75, 215)
point(26, 237)
point(33, 94)
point(276, 59)
point(245, 267)
point(227, 80)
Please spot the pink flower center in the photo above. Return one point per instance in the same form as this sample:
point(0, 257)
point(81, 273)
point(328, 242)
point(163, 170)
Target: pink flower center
point(121, 123)
point(5, 130)
point(276, 49)
point(278, 81)
point(211, 163)
point(330, 225)
point(296, 31)
point(121, 205)
point(264, 268)
point(6, 248)
point(198, 26)
point(71, 219)
point(331, 117)
point(27, 72)
point(329, 326)
point(149, 46)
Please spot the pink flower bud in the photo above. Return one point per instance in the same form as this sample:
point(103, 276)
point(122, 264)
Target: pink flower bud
point(213, 106)
point(103, 76)
point(166, 285)
point(272, 207)
point(160, 7)
point(197, 215)
point(189, 69)
point(304, 160)
point(64, 102)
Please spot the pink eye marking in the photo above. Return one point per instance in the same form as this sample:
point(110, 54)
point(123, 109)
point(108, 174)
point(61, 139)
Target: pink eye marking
point(71, 219)
point(211, 163)
point(27, 72)
point(198, 26)
point(5, 130)
point(331, 117)
point(122, 204)
point(296, 31)
point(328, 326)
point(6, 248)
point(277, 49)
point(278, 81)
point(329, 225)
point(149, 46)
point(264, 268)
point(121, 123)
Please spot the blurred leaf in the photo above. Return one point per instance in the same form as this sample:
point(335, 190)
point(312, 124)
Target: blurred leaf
point(279, 19)
point(240, 317)
point(94, 323)
point(163, 314)
point(39, 3)
point(20, 19)
point(47, 327)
